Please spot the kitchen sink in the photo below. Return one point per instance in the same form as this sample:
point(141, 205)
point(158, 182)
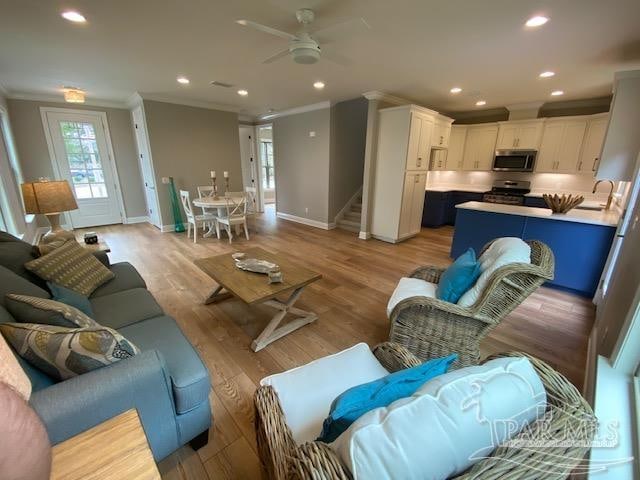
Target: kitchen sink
point(597, 206)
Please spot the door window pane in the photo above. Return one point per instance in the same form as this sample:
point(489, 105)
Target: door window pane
point(266, 154)
point(83, 157)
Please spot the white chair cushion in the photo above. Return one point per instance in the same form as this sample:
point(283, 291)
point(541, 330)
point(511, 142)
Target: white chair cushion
point(450, 423)
point(501, 252)
point(306, 392)
point(410, 287)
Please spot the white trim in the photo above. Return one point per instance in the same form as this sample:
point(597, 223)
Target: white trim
point(347, 206)
point(43, 97)
point(296, 110)
point(168, 228)
point(364, 235)
point(3, 91)
point(306, 221)
point(52, 156)
point(385, 97)
point(130, 220)
point(189, 103)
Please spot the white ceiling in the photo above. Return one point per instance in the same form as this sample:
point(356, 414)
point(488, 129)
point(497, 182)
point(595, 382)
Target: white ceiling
point(416, 49)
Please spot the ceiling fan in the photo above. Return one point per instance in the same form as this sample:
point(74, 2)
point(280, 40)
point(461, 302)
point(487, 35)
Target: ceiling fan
point(304, 46)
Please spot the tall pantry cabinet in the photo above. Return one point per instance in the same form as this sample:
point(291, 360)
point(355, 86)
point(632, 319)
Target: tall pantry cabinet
point(405, 137)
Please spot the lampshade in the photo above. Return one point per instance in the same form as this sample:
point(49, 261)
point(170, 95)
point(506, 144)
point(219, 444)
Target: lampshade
point(73, 95)
point(48, 197)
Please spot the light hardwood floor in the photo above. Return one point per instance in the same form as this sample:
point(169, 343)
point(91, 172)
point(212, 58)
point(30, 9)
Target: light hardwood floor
point(358, 278)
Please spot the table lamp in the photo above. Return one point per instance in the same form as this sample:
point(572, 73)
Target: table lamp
point(51, 198)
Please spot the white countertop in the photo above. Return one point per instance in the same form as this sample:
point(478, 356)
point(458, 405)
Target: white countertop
point(607, 218)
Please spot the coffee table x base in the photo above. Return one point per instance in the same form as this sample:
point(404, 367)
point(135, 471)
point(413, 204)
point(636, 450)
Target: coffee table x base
point(272, 332)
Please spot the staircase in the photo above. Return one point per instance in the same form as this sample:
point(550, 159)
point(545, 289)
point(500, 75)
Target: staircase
point(351, 219)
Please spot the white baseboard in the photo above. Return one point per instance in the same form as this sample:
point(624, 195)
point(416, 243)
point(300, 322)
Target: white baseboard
point(306, 221)
point(129, 220)
point(168, 228)
point(364, 235)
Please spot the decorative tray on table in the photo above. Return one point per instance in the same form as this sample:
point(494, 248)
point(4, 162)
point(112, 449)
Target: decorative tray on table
point(256, 265)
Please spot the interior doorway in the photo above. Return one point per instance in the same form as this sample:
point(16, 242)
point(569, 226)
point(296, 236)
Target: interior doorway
point(267, 171)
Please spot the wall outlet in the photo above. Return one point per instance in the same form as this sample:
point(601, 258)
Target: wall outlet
point(312, 133)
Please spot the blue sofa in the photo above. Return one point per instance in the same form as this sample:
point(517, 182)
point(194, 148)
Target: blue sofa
point(167, 383)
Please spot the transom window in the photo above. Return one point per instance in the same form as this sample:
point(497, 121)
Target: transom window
point(86, 168)
point(266, 153)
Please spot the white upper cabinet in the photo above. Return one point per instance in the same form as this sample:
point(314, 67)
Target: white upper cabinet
point(622, 140)
point(439, 159)
point(456, 147)
point(441, 133)
point(592, 145)
point(561, 145)
point(479, 147)
point(419, 142)
point(519, 135)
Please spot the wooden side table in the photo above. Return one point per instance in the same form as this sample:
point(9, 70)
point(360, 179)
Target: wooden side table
point(115, 449)
point(101, 246)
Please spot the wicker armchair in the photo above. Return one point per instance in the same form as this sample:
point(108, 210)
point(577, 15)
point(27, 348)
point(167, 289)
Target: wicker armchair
point(567, 411)
point(432, 328)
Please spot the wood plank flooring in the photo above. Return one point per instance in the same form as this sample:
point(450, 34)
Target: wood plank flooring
point(358, 278)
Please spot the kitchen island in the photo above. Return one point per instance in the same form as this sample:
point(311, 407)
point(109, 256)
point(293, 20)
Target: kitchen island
point(580, 239)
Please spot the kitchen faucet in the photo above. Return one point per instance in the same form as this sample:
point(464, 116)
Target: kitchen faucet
point(610, 198)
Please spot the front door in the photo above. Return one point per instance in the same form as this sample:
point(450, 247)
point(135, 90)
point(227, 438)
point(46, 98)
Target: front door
point(81, 156)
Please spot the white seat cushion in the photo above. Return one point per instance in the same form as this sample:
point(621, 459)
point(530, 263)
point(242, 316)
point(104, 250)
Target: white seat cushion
point(501, 252)
point(450, 423)
point(410, 287)
point(306, 392)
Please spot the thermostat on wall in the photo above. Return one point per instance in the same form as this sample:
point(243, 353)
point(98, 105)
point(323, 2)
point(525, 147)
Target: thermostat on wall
point(312, 134)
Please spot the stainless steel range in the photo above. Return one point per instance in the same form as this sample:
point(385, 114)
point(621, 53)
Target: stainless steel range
point(509, 192)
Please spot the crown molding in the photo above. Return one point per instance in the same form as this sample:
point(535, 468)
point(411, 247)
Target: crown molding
point(134, 101)
point(296, 110)
point(385, 97)
point(58, 99)
point(188, 103)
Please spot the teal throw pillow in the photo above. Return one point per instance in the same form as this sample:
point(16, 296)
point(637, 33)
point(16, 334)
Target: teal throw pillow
point(459, 277)
point(71, 298)
point(355, 402)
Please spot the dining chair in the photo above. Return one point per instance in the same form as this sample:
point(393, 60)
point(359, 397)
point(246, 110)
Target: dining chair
point(203, 192)
point(193, 219)
point(252, 201)
point(236, 214)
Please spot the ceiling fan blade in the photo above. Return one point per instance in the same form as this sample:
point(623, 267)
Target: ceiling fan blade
point(331, 33)
point(277, 56)
point(264, 28)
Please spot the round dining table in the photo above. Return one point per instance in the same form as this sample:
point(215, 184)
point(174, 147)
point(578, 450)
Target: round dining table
point(220, 204)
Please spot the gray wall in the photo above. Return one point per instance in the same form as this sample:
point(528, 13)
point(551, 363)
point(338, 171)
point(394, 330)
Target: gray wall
point(187, 143)
point(31, 146)
point(302, 164)
point(348, 137)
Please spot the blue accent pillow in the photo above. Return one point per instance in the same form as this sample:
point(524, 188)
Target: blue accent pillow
point(355, 402)
point(71, 298)
point(459, 277)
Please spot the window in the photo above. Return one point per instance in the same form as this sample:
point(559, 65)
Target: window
point(85, 166)
point(268, 172)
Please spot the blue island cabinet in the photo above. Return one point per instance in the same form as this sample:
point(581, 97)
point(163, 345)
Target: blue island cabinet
point(580, 249)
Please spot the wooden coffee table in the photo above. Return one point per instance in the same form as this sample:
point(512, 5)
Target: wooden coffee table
point(254, 288)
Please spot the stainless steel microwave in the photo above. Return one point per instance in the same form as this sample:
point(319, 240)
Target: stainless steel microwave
point(514, 160)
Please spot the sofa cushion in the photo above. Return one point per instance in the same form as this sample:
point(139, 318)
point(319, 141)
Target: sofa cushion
point(124, 308)
point(410, 287)
point(189, 377)
point(14, 253)
point(71, 266)
point(64, 353)
point(447, 425)
point(306, 392)
point(71, 298)
point(10, 282)
point(45, 311)
point(126, 278)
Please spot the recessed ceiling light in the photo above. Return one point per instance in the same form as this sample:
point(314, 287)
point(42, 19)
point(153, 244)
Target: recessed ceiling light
point(73, 95)
point(319, 85)
point(480, 103)
point(243, 93)
point(455, 90)
point(547, 74)
point(536, 21)
point(73, 16)
point(557, 93)
point(183, 80)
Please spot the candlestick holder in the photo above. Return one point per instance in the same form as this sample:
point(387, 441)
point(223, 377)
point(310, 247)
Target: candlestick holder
point(215, 188)
point(226, 185)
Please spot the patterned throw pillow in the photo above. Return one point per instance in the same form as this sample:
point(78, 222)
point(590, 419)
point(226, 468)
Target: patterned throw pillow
point(44, 311)
point(67, 352)
point(73, 267)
